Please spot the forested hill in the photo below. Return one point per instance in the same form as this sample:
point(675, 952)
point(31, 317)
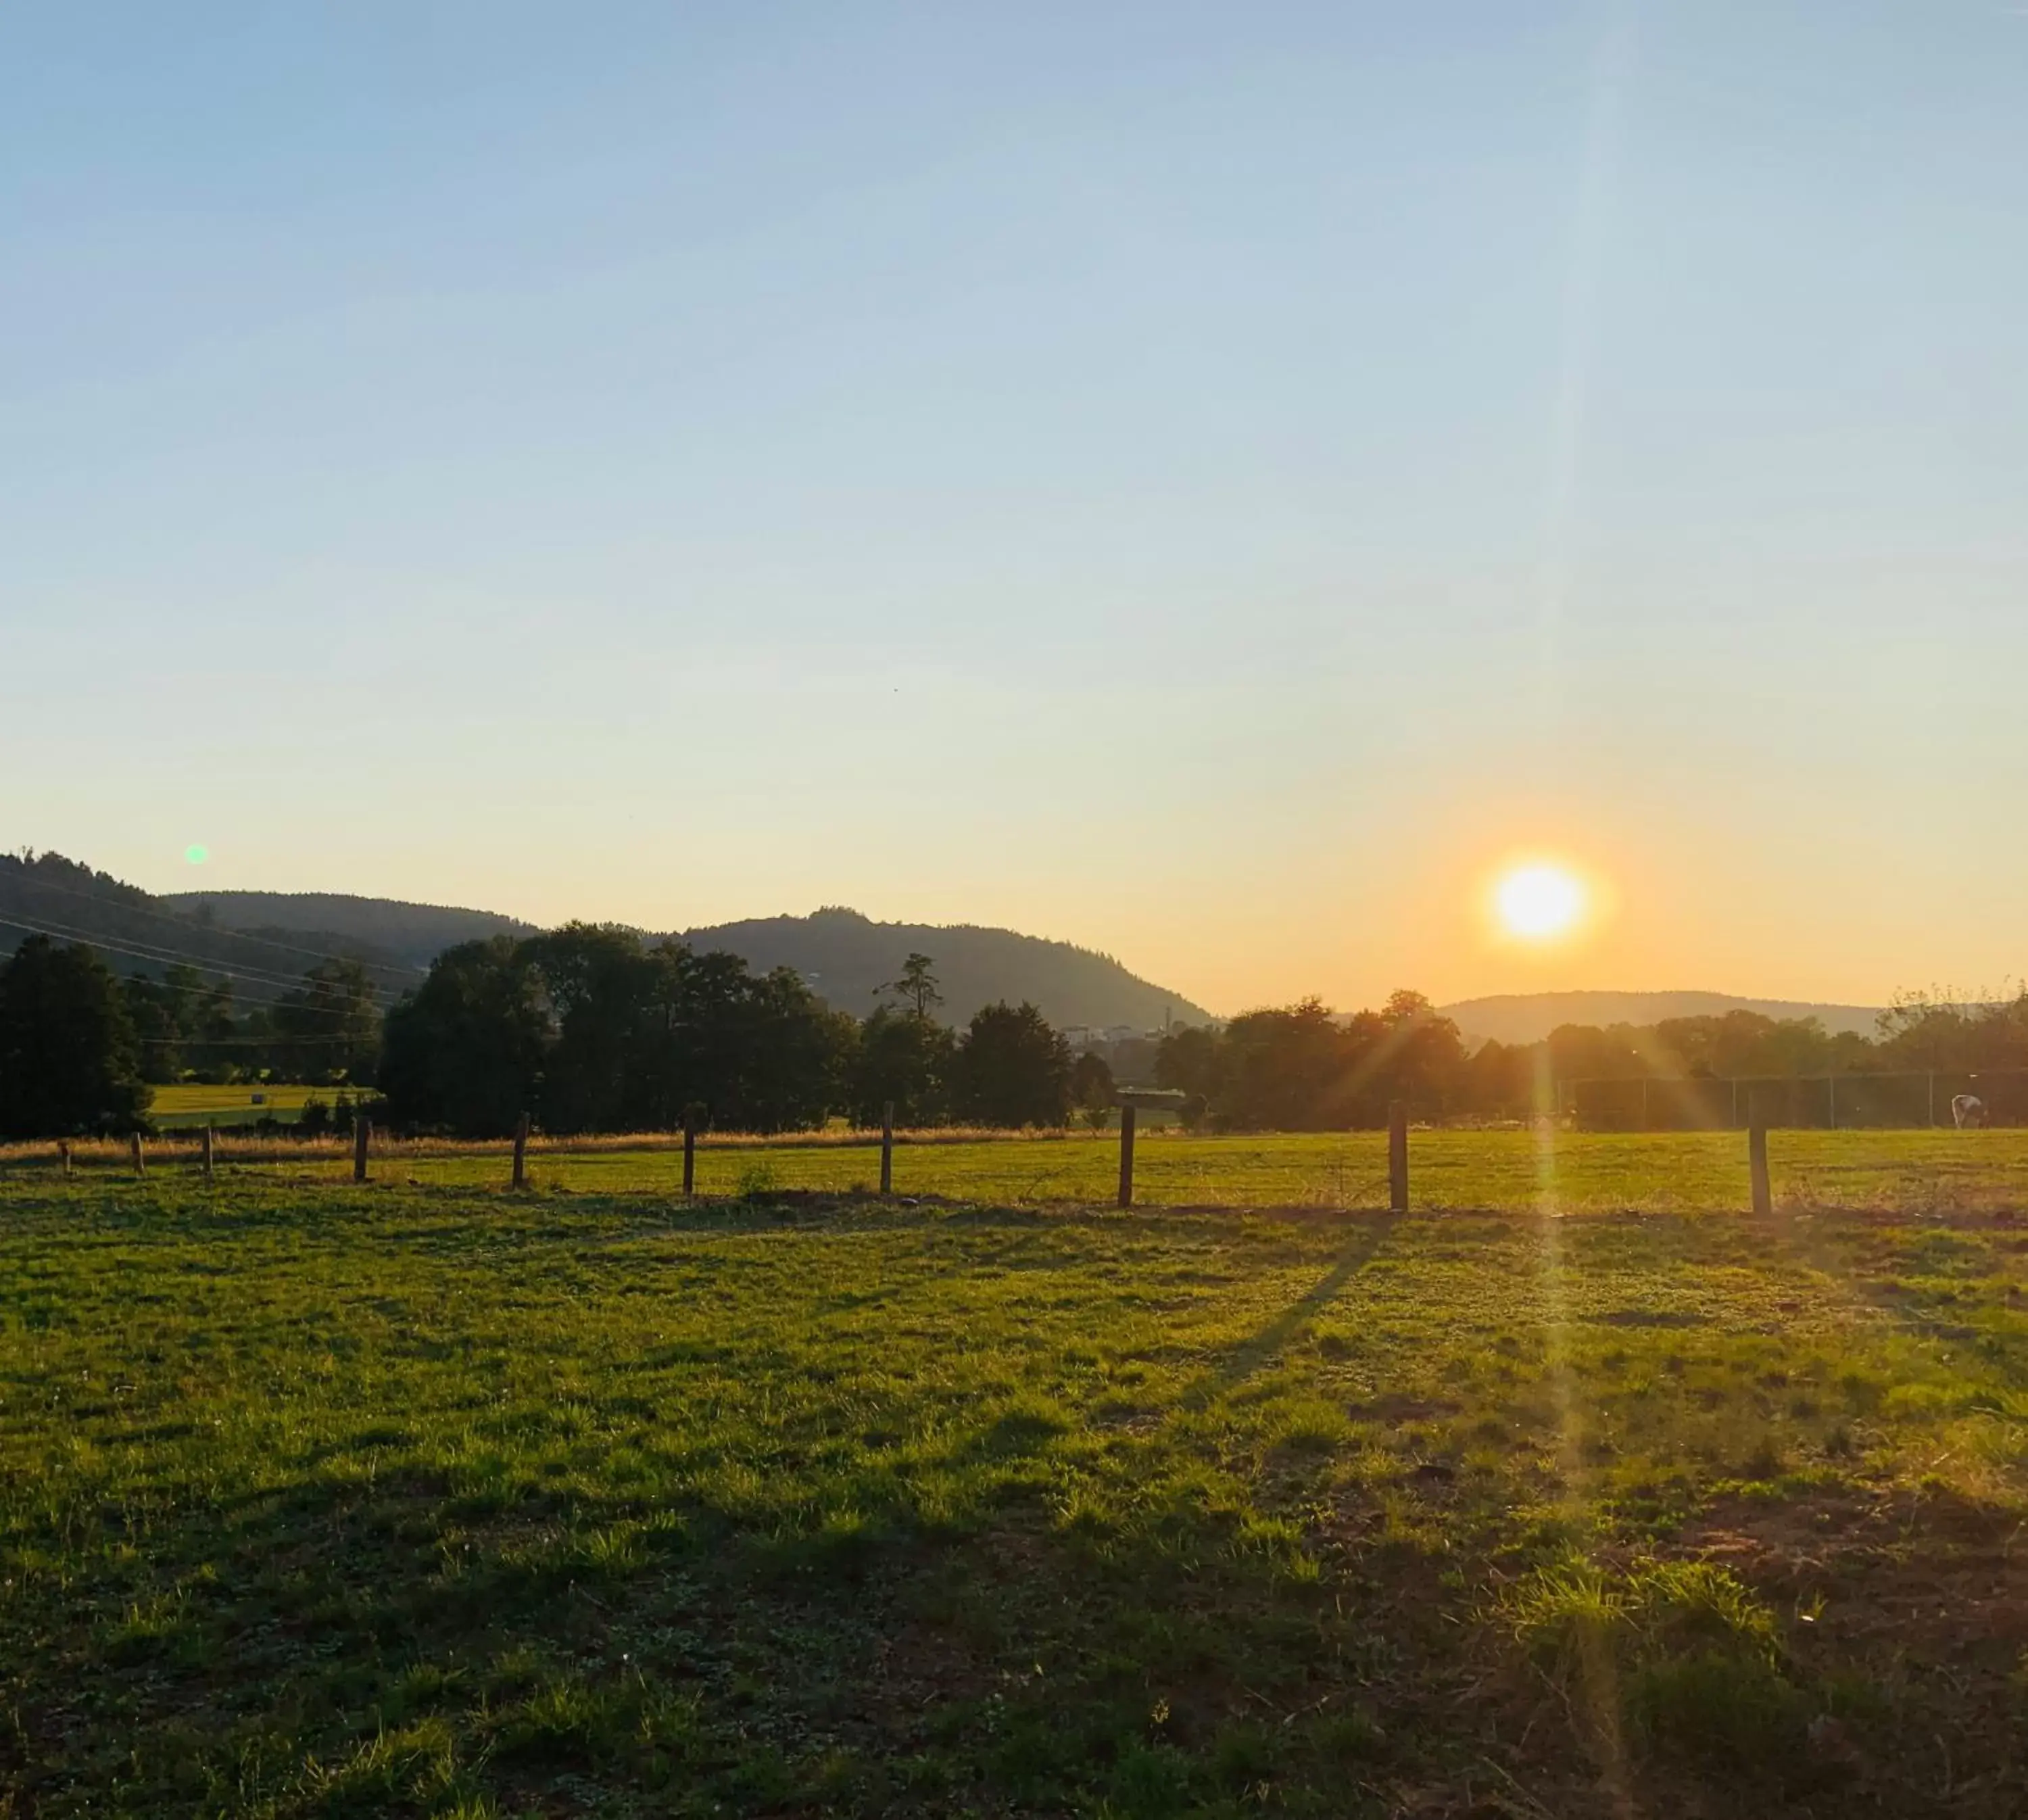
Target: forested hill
point(1529, 1017)
point(413, 933)
point(136, 933)
point(847, 958)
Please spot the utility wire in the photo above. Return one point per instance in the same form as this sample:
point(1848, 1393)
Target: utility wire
point(161, 950)
point(277, 1042)
point(234, 934)
point(207, 966)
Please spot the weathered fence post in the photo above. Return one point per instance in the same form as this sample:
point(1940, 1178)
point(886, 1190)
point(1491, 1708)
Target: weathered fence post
point(1757, 1152)
point(1397, 1156)
point(690, 1151)
point(140, 1157)
point(1127, 1155)
point(63, 1151)
point(521, 1151)
point(888, 1148)
point(207, 1153)
point(362, 1135)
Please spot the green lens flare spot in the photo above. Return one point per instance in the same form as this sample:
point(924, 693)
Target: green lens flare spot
point(197, 855)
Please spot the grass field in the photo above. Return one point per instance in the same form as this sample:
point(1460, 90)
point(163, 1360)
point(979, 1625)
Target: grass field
point(1929, 1170)
point(435, 1500)
point(182, 1107)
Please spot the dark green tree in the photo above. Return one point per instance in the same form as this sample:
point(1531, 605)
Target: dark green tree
point(463, 1053)
point(917, 988)
point(1012, 1069)
point(905, 1060)
point(69, 1066)
point(330, 1029)
point(1189, 1058)
point(1091, 1082)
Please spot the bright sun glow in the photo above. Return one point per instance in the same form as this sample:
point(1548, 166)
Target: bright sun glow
point(1536, 902)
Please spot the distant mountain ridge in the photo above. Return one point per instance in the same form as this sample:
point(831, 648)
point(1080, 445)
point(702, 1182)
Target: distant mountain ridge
point(415, 933)
point(136, 933)
point(1529, 1017)
point(847, 957)
point(265, 939)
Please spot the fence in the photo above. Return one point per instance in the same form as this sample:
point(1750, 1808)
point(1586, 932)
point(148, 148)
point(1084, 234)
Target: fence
point(1804, 1102)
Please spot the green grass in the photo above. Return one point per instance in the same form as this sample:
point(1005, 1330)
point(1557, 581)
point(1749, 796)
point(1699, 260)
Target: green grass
point(438, 1500)
point(183, 1107)
point(1573, 1171)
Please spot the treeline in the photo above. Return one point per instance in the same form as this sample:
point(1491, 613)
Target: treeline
point(1304, 1067)
point(590, 1029)
point(188, 1026)
point(585, 1029)
point(1919, 1032)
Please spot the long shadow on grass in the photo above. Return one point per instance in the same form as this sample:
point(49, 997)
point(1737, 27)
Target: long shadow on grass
point(1363, 1242)
point(1893, 1255)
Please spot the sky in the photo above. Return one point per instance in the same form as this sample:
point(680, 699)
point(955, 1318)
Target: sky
point(1213, 483)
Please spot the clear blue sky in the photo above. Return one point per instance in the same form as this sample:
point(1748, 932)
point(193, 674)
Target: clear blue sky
point(1206, 481)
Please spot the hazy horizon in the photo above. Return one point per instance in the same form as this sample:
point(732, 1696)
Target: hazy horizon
point(1212, 486)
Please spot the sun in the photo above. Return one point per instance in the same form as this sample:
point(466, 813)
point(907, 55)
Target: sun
point(1538, 902)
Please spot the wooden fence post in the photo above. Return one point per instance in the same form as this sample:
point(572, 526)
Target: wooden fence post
point(1126, 1156)
point(140, 1157)
point(887, 1148)
point(1397, 1156)
point(690, 1151)
point(521, 1151)
point(207, 1153)
point(362, 1135)
point(1757, 1152)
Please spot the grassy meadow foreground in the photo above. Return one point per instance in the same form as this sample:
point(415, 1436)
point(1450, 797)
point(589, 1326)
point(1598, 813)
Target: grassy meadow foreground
point(428, 1499)
point(1932, 1171)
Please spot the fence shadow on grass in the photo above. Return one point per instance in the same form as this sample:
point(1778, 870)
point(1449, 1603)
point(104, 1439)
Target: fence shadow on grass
point(1362, 1242)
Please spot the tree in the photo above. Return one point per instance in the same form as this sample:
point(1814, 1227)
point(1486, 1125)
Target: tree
point(586, 1030)
point(463, 1053)
point(329, 1029)
point(905, 1061)
point(1091, 1082)
point(1188, 1058)
point(69, 1065)
point(917, 988)
point(1012, 1069)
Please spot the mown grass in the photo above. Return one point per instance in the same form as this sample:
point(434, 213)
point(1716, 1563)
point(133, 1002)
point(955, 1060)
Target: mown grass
point(1573, 1171)
point(182, 1106)
point(429, 1500)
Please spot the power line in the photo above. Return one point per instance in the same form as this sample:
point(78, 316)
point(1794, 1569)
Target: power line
point(208, 966)
point(161, 951)
point(248, 1042)
point(232, 934)
point(160, 956)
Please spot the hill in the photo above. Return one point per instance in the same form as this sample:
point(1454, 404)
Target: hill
point(1528, 1017)
point(413, 933)
point(848, 957)
point(137, 932)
